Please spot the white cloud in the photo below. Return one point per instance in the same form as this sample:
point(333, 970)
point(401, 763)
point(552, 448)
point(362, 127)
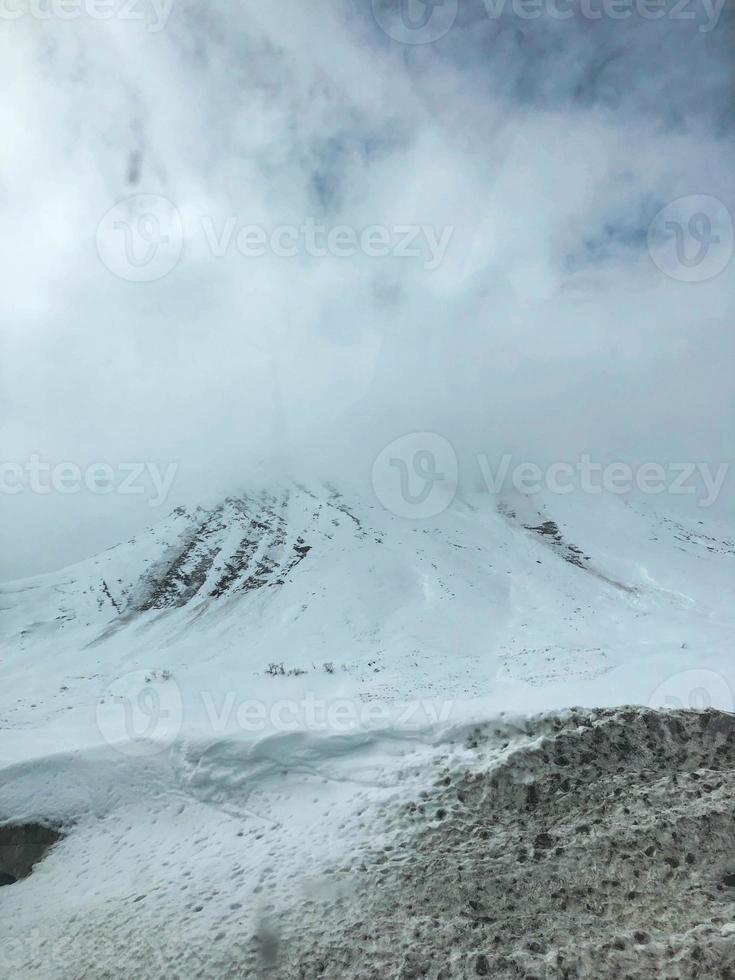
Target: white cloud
point(547, 329)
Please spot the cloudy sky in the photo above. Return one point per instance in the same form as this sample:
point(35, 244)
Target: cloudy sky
point(250, 238)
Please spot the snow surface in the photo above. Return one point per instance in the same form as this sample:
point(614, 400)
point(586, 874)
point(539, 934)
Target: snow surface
point(223, 709)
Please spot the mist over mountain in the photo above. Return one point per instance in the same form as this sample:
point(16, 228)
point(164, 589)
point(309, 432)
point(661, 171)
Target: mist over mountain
point(527, 157)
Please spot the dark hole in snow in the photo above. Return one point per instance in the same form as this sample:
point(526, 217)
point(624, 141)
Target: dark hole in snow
point(729, 880)
point(21, 847)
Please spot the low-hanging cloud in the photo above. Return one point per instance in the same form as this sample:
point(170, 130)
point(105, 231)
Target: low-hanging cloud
point(484, 265)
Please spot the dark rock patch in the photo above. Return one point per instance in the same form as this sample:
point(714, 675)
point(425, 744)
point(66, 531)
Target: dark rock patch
point(22, 846)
